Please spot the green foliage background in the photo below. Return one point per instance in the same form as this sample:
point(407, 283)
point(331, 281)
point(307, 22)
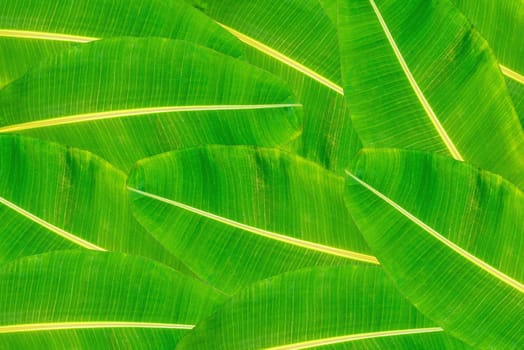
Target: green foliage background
point(261, 174)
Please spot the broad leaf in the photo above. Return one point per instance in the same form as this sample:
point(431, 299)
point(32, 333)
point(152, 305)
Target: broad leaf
point(90, 300)
point(236, 215)
point(31, 30)
point(418, 76)
point(349, 307)
point(451, 236)
point(127, 99)
point(295, 40)
point(501, 22)
point(55, 198)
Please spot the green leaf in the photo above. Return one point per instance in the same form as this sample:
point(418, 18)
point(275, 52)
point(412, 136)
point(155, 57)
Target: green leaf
point(295, 40)
point(501, 22)
point(31, 30)
point(92, 300)
point(236, 215)
point(127, 99)
point(450, 235)
point(348, 307)
point(55, 198)
point(331, 9)
point(417, 76)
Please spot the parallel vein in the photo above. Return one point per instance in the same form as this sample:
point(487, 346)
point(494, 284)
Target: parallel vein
point(425, 104)
point(272, 235)
point(352, 337)
point(87, 117)
point(62, 233)
point(284, 59)
point(457, 249)
point(34, 327)
point(27, 34)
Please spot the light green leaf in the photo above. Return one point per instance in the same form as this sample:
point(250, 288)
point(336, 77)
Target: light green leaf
point(501, 22)
point(418, 76)
point(348, 307)
point(31, 30)
point(92, 300)
point(127, 99)
point(331, 9)
point(295, 40)
point(236, 215)
point(55, 198)
point(450, 235)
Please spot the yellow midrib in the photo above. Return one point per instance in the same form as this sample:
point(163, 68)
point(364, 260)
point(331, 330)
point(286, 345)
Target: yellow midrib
point(27, 34)
point(414, 85)
point(57, 230)
point(81, 118)
point(264, 233)
point(53, 326)
point(353, 337)
point(284, 59)
point(457, 249)
point(512, 74)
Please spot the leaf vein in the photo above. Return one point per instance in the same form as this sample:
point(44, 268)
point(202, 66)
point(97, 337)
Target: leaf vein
point(62, 233)
point(267, 234)
point(284, 59)
point(87, 117)
point(32, 327)
point(352, 337)
point(27, 34)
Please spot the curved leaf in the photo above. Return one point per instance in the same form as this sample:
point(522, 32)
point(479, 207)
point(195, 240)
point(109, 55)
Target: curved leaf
point(295, 40)
point(348, 307)
point(236, 215)
point(452, 238)
point(90, 300)
point(411, 85)
point(55, 198)
point(31, 30)
point(127, 99)
point(502, 24)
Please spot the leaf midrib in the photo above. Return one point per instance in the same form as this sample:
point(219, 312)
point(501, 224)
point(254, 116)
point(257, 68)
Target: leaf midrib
point(89, 117)
point(55, 229)
point(519, 78)
point(28, 34)
point(52, 326)
point(279, 56)
point(354, 337)
point(264, 233)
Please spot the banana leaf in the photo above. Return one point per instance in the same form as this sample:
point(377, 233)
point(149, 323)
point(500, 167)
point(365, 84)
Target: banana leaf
point(32, 30)
point(501, 22)
point(238, 214)
point(56, 198)
point(450, 235)
point(295, 40)
point(348, 307)
point(129, 98)
point(93, 300)
point(411, 85)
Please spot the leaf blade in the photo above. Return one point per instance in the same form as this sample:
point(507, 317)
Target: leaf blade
point(233, 200)
point(345, 307)
point(395, 65)
point(465, 226)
